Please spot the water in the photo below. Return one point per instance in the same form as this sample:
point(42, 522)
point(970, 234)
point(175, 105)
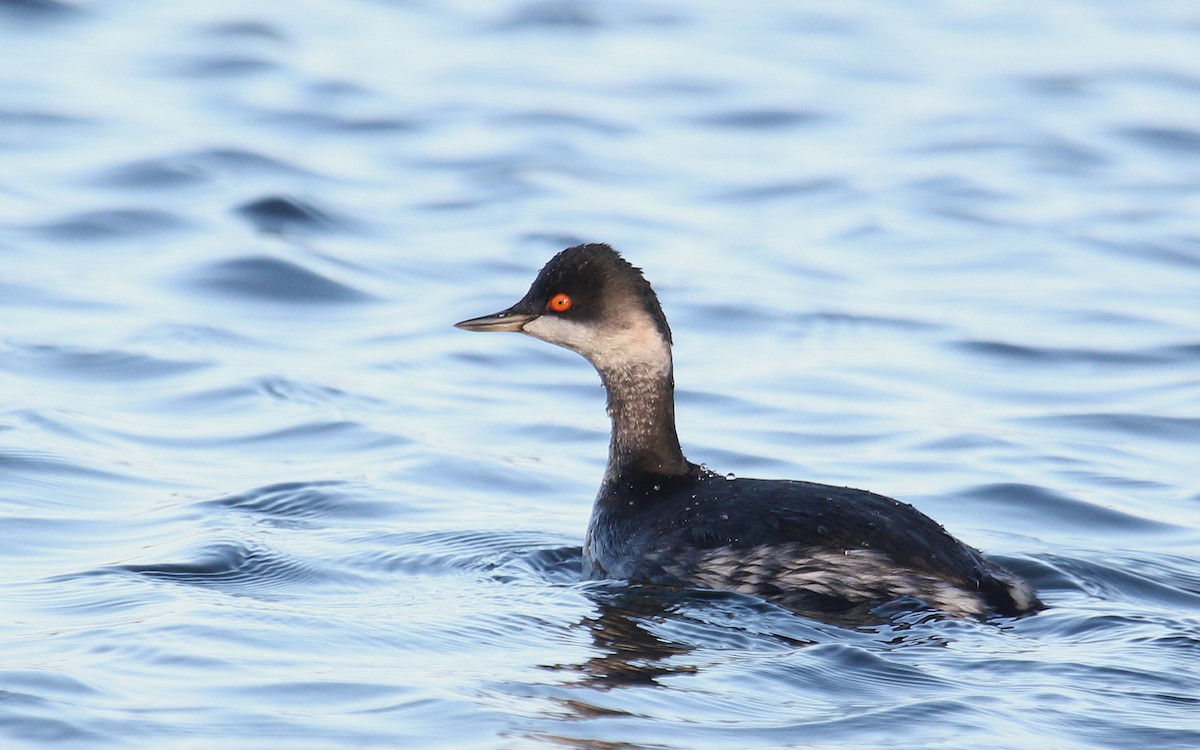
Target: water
point(256, 491)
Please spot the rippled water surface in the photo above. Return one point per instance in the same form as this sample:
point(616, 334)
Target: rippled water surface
point(256, 492)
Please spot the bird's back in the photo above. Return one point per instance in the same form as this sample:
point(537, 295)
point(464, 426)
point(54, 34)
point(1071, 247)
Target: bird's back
point(808, 546)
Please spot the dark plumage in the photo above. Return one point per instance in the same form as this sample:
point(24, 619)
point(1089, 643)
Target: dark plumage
point(661, 519)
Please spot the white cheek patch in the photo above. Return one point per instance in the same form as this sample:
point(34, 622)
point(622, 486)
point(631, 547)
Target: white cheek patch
point(561, 331)
point(634, 341)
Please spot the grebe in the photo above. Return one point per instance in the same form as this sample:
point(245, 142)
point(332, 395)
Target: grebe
point(661, 519)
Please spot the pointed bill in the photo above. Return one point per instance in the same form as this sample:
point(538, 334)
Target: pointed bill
point(505, 320)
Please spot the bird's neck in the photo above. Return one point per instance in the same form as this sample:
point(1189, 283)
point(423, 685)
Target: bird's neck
point(641, 404)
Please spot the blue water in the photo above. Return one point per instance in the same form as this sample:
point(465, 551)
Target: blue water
point(256, 492)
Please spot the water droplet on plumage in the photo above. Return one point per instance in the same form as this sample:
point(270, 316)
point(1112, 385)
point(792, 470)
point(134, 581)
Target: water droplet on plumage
point(730, 477)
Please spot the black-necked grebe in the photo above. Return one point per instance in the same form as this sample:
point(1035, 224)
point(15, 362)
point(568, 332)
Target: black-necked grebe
point(660, 519)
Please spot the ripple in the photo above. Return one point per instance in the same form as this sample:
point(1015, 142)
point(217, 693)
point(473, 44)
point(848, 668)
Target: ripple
point(198, 336)
point(846, 669)
point(1183, 252)
point(252, 30)
point(954, 188)
point(842, 320)
point(553, 14)
point(552, 565)
point(581, 16)
point(283, 215)
point(266, 279)
point(1059, 86)
point(43, 681)
point(235, 399)
point(243, 162)
point(276, 388)
point(47, 729)
point(114, 224)
point(1186, 83)
point(193, 167)
point(17, 295)
point(306, 500)
point(37, 120)
point(508, 555)
point(162, 172)
point(316, 437)
point(40, 10)
point(656, 88)
point(47, 467)
point(1171, 142)
point(1124, 577)
point(244, 568)
point(324, 122)
point(77, 363)
point(223, 66)
point(1056, 355)
point(787, 190)
point(1157, 427)
point(343, 696)
point(1063, 156)
point(1041, 508)
point(561, 121)
point(761, 119)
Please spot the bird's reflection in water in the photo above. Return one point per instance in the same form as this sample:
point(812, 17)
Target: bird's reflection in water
point(627, 652)
point(643, 633)
point(642, 637)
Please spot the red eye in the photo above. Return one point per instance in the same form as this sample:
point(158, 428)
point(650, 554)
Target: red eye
point(559, 303)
